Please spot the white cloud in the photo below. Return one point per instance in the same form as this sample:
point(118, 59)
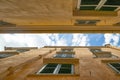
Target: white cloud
point(31, 40)
point(108, 38)
point(116, 39)
point(56, 41)
point(80, 40)
point(23, 40)
point(40, 40)
point(112, 39)
point(44, 38)
point(61, 42)
point(2, 42)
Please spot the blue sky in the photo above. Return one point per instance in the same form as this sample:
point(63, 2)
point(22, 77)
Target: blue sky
point(40, 40)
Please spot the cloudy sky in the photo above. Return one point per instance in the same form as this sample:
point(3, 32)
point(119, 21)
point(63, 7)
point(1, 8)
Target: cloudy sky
point(40, 40)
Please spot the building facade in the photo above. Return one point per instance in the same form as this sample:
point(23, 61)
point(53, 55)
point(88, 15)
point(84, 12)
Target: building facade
point(63, 63)
point(56, 16)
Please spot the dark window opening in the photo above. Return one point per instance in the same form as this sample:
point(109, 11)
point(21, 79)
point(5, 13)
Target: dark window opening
point(113, 2)
point(115, 66)
point(49, 68)
point(62, 55)
point(86, 22)
point(5, 55)
point(98, 53)
point(108, 8)
point(89, 2)
point(57, 69)
point(22, 50)
point(65, 69)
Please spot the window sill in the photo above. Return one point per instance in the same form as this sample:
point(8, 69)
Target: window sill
point(53, 76)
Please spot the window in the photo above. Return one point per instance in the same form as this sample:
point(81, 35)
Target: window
point(95, 50)
point(62, 55)
point(22, 50)
point(102, 54)
point(113, 2)
point(100, 5)
point(49, 68)
point(86, 22)
point(115, 66)
point(108, 8)
point(65, 69)
point(53, 68)
point(3, 23)
point(5, 55)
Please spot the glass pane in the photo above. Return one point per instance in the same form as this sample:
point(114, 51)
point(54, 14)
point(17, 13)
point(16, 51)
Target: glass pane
point(118, 69)
point(57, 56)
point(115, 64)
point(93, 21)
point(90, 2)
point(84, 22)
point(108, 8)
point(63, 56)
point(22, 50)
point(113, 2)
point(80, 21)
point(69, 55)
point(95, 50)
point(66, 65)
point(49, 68)
point(65, 69)
point(6, 55)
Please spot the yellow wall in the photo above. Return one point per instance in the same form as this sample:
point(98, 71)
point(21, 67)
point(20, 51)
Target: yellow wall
point(24, 66)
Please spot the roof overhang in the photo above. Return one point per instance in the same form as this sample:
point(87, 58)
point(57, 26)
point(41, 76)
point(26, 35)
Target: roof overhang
point(55, 16)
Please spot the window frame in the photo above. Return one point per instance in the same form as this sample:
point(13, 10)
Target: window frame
point(5, 55)
point(63, 55)
point(98, 5)
point(94, 51)
point(112, 67)
point(56, 70)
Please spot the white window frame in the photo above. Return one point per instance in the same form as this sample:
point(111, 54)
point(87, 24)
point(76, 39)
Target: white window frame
point(57, 69)
point(114, 67)
point(99, 6)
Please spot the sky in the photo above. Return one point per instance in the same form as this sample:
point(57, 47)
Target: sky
point(58, 39)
